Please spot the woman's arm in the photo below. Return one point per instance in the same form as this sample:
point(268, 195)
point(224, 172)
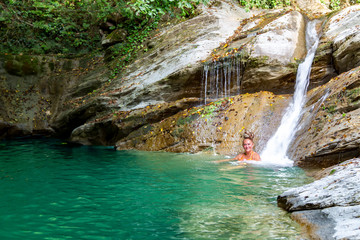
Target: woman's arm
point(239, 157)
point(224, 160)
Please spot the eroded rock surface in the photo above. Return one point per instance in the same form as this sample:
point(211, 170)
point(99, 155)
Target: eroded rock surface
point(332, 134)
point(328, 208)
point(343, 30)
point(216, 127)
point(339, 46)
point(172, 67)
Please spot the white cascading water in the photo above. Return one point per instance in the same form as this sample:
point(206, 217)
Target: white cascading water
point(276, 148)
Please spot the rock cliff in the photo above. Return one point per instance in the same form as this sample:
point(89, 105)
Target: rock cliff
point(164, 99)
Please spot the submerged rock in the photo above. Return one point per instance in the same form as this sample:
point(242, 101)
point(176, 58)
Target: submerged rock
point(328, 208)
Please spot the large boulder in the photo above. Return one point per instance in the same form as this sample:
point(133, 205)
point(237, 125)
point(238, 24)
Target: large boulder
point(312, 8)
point(270, 67)
point(343, 30)
point(270, 46)
point(339, 47)
point(119, 124)
point(328, 208)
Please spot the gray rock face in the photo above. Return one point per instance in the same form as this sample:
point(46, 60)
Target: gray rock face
point(338, 50)
point(329, 131)
point(330, 223)
point(328, 208)
point(343, 30)
point(272, 52)
point(340, 188)
point(172, 67)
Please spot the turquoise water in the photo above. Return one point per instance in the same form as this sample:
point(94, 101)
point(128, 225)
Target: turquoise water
point(50, 190)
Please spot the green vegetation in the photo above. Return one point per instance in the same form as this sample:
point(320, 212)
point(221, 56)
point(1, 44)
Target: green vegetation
point(72, 27)
point(265, 4)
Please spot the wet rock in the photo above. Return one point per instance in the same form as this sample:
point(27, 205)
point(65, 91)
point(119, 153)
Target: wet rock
point(119, 124)
point(268, 67)
point(328, 208)
point(71, 118)
point(338, 49)
point(172, 67)
point(339, 188)
point(322, 69)
point(31, 100)
point(287, 33)
point(329, 130)
point(205, 128)
point(8, 130)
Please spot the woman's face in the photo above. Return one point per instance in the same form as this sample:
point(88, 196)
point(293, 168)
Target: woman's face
point(248, 145)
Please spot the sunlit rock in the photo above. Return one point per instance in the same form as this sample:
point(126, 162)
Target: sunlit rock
point(281, 40)
point(343, 30)
point(328, 208)
point(273, 51)
point(272, 44)
point(313, 8)
point(339, 47)
point(329, 130)
point(171, 69)
point(217, 127)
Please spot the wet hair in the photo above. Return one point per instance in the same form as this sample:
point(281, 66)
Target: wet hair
point(249, 135)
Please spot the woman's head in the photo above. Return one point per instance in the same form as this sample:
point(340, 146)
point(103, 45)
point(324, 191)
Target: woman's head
point(248, 143)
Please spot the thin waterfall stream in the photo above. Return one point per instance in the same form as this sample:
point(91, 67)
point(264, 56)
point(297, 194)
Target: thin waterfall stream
point(222, 78)
point(276, 148)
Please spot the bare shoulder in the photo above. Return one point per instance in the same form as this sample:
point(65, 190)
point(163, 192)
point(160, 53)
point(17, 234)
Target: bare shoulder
point(256, 157)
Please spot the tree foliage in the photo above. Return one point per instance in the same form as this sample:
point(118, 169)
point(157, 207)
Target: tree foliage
point(265, 4)
point(72, 26)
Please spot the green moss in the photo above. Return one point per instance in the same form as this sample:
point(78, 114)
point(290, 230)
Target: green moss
point(295, 65)
point(22, 65)
point(331, 109)
point(353, 94)
point(52, 66)
point(177, 132)
point(254, 62)
point(187, 120)
point(67, 66)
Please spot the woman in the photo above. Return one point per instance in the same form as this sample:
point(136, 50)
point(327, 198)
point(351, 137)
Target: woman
point(249, 154)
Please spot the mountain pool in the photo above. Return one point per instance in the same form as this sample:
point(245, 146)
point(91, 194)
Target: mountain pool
point(51, 190)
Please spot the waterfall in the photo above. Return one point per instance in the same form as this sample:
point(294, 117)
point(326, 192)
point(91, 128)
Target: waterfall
point(222, 78)
point(276, 148)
